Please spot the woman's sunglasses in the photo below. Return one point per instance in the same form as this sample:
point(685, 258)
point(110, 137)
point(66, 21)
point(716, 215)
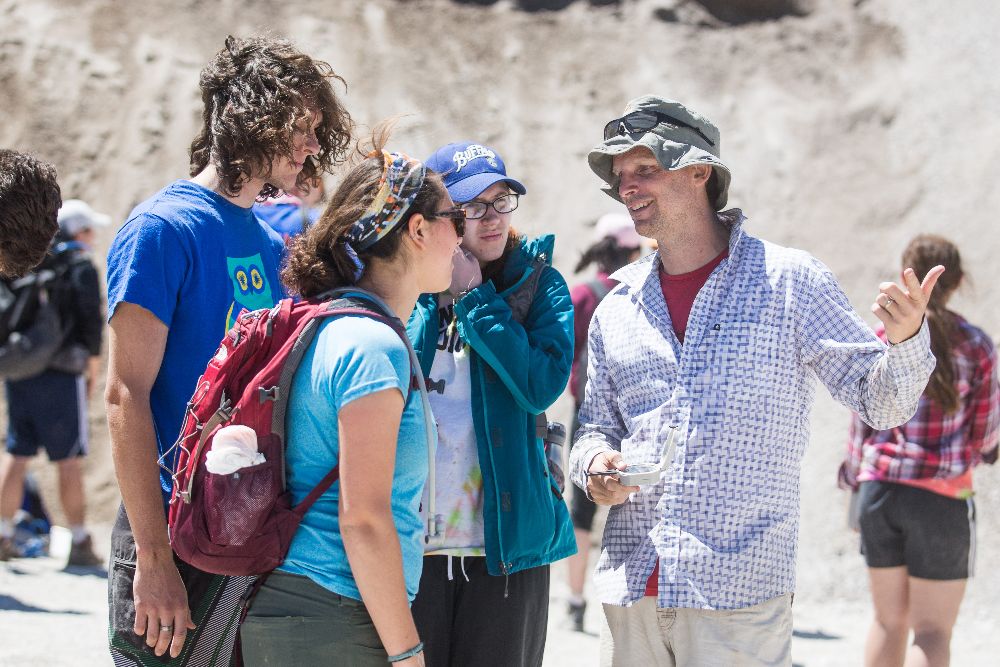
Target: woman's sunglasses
point(457, 217)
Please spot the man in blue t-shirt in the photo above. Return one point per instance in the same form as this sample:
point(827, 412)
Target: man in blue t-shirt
point(181, 268)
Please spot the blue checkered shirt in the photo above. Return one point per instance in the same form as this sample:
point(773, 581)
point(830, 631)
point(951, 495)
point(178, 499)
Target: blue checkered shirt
point(723, 520)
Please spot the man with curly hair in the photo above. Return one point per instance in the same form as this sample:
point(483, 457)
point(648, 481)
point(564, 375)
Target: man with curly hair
point(180, 270)
point(29, 202)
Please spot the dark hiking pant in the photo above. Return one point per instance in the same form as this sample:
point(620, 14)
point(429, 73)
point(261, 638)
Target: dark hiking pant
point(484, 621)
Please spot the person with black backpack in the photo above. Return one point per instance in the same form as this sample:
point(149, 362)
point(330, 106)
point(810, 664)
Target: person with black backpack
point(48, 409)
point(615, 244)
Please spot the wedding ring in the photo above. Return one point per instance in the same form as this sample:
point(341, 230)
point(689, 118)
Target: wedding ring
point(166, 628)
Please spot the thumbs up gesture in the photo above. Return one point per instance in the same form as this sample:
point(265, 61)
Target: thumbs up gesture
point(902, 309)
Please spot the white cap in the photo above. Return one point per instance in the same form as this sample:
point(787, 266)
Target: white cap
point(618, 226)
point(75, 215)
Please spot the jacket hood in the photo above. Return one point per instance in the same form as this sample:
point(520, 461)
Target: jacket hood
point(525, 253)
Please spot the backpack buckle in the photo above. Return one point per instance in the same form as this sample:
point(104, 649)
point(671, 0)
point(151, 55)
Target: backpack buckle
point(268, 394)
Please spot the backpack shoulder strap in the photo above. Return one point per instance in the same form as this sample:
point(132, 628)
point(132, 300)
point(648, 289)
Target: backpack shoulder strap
point(377, 310)
point(521, 298)
point(599, 288)
point(341, 302)
point(433, 523)
point(337, 302)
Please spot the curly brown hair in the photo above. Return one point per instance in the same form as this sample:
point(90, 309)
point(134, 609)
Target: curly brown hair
point(256, 91)
point(29, 206)
point(318, 260)
point(922, 254)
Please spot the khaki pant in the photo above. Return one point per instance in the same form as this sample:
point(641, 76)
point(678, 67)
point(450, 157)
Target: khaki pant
point(758, 636)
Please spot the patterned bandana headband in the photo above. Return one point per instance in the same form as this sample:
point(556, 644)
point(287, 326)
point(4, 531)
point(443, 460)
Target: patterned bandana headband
point(402, 178)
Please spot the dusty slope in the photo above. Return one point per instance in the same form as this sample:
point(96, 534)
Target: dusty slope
point(848, 130)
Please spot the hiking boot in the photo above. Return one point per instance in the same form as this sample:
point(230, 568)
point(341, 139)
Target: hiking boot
point(575, 614)
point(81, 554)
point(8, 549)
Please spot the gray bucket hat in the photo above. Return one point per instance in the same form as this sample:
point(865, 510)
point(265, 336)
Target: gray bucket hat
point(680, 139)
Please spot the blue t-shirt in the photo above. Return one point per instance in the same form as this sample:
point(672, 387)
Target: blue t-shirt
point(195, 260)
point(352, 356)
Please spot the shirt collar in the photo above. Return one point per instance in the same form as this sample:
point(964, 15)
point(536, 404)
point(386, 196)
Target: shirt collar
point(641, 271)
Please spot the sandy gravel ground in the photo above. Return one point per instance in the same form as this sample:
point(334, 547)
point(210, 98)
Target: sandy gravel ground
point(50, 617)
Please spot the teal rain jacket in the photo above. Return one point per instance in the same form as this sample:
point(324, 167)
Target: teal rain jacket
point(517, 372)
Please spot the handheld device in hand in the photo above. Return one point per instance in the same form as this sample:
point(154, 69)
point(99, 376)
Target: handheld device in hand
point(645, 474)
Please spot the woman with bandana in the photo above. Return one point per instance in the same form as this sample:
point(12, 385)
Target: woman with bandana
point(343, 593)
point(496, 347)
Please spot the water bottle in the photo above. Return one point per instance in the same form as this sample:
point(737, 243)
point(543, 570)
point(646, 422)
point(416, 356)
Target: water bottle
point(555, 438)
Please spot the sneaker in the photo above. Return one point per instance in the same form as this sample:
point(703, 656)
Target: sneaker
point(575, 613)
point(8, 549)
point(81, 554)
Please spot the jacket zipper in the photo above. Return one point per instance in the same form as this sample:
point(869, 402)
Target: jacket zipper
point(489, 448)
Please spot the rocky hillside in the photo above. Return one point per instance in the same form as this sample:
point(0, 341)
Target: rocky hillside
point(849, 127)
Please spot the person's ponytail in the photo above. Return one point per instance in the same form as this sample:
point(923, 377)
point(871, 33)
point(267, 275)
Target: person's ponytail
point(607, 254)
point(922, 254)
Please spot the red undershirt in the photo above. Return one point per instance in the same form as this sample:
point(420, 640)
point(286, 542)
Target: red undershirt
point(680, 292)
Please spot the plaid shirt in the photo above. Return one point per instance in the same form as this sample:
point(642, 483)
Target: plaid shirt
point(723, 520)
point(933, 445)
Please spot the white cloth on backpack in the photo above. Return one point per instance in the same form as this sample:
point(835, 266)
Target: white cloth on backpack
point(234, 447)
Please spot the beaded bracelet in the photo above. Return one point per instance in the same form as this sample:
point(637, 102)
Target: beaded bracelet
point(407, 654)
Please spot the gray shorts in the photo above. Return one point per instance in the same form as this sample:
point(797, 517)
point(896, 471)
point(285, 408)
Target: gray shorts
point(932, 535)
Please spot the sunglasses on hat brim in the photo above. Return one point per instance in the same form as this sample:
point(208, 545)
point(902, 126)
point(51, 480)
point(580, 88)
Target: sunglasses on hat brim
point(643, 121)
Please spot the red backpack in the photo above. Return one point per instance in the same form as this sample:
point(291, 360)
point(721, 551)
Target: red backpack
point(243, 523)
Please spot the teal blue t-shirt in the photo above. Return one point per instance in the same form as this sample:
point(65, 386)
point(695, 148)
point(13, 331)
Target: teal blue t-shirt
point(352, 356)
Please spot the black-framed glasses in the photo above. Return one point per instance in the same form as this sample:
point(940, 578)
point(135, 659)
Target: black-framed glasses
point(502, 204)
point(643, 121)
point(457, 216)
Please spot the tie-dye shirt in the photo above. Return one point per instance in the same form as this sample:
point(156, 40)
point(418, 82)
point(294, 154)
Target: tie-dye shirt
point(459, 479)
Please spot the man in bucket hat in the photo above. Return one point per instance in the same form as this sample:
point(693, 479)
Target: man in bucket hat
point(701, 361)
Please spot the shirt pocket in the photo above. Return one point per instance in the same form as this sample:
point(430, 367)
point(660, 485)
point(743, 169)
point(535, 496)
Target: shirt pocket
point(750, 367)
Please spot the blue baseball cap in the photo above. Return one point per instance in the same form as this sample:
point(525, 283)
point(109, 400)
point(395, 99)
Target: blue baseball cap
point(469, 168)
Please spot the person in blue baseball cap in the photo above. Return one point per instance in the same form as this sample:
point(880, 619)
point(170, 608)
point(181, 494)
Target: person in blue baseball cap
point(496, 348)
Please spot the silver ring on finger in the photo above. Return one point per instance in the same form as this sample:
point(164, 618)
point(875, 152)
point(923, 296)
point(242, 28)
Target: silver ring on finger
point(166, 628)
point(888, 302)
